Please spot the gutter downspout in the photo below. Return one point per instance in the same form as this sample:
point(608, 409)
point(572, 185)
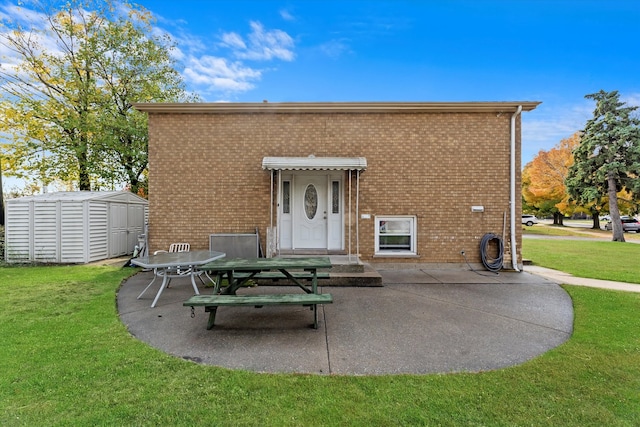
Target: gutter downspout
point(512, 200)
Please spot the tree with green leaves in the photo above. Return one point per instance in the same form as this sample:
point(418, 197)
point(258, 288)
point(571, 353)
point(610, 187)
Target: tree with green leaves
point(68, 85)
point(608, 157)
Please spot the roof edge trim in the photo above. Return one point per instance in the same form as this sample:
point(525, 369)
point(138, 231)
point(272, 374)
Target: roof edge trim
point(333, 107)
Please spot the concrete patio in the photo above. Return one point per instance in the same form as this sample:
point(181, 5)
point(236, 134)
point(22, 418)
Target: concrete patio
point(420, 321)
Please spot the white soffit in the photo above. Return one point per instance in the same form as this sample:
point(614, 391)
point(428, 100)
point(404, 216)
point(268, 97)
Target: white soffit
point(314, 163)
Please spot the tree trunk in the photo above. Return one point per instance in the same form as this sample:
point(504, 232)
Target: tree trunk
point(134, 182)
point(614, 211)
point(84, 179)
point(558, 218)
point(595, 214)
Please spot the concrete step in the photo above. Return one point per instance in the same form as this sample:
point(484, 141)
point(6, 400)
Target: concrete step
point(345, 271)
point(367, 277)
point(348, 270)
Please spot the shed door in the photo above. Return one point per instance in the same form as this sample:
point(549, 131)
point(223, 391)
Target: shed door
point(118, 229)
point(135, 225)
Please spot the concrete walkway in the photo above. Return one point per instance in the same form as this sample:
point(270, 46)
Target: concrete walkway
point(420, 321)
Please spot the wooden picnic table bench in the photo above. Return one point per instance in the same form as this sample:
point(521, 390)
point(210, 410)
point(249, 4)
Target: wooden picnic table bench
point(212, 302)
point(239, 271)
point(278, 275)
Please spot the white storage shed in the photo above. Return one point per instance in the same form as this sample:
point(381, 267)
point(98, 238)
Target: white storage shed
point(73, 227)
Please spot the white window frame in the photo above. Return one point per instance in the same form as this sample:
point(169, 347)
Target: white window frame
point(413, 231)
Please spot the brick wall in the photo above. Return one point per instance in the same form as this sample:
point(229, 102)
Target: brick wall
point(205, 174)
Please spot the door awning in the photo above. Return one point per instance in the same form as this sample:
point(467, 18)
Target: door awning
point(314, 163)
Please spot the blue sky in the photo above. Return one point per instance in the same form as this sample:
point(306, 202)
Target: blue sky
point(553, 51)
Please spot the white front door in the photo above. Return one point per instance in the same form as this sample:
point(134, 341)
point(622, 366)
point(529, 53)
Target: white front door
point(310, 212)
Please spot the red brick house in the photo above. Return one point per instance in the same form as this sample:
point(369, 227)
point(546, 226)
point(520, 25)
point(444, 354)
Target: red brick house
point(391, 182)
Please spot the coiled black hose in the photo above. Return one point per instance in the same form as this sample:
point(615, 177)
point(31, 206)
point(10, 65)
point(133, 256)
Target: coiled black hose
point(494, 264)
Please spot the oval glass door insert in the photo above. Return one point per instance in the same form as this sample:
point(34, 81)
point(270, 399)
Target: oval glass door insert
point(311, 201)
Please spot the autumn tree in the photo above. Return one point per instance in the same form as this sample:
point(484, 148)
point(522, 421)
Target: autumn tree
point(68, 84)
point(543, 180)
point(608, 157)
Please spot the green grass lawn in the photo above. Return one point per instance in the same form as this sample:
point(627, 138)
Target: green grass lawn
point(593, 259)
point(68, 360)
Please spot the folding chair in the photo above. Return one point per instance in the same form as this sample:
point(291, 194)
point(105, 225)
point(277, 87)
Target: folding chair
point(179, 247)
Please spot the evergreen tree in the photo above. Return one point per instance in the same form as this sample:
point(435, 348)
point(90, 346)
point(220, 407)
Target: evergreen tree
point(608, 157)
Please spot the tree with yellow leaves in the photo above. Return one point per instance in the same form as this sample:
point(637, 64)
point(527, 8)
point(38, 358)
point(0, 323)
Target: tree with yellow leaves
point(543, 180)
point(68, 80)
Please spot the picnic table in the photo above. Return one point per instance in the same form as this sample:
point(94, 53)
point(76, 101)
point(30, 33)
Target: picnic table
point(170, 265)
point(239, 271)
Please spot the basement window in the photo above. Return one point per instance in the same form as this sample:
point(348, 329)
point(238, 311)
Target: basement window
point(395, 235)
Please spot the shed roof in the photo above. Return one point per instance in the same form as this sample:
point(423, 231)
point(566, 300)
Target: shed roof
point(78, 196)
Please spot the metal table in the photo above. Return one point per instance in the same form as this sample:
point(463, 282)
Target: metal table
point(176, 264)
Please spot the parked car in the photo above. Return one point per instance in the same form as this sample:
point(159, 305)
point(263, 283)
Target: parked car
point(529, 220)
point(628, 224)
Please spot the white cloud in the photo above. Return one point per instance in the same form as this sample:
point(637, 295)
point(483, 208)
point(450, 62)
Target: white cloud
point(32, 30)
point(22, 15)
point(547, 125)
point(233, 41)
point(286, 15)
point(262, 45)
point(185, 42)
point(217, 73)
point(334, 48)
point(221, 67)
point(555, 124)
point(632, 100)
